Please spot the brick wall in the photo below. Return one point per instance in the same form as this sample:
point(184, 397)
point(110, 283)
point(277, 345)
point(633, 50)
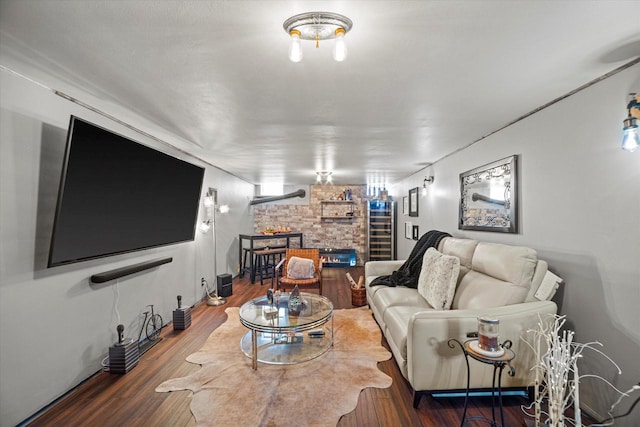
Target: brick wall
point(321, 233)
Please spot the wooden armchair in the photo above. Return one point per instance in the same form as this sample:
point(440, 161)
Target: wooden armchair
point(283, 282)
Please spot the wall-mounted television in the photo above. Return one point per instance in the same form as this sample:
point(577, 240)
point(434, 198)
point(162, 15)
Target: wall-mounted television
point(117, 195)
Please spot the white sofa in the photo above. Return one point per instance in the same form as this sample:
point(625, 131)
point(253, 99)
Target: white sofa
point(495, 280)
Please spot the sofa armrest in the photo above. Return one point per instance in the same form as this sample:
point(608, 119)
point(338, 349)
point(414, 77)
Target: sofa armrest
point(381, 268)
point(433, 365)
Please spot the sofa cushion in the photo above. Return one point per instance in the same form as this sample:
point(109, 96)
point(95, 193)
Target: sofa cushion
point(514, 264)
point(461, 248)
point(438, 278)
point(387, 297)
point(371, 290)
point(501, 275)
point(300, 268)
point(477, 290)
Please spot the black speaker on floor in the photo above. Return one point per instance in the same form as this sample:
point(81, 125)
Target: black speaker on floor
point(181, 318)
point(224, 285)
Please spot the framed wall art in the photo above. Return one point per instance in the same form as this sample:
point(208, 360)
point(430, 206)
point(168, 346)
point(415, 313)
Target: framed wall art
point(405, 205)
point(408, 230)
point(416, 232)
point(488, 197)
point(413, 202)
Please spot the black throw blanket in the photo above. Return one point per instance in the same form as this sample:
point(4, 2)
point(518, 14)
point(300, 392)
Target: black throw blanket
point(407, 275)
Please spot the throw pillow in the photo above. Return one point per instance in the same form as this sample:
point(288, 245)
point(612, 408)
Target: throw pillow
point(300, 268)
point(438, 278)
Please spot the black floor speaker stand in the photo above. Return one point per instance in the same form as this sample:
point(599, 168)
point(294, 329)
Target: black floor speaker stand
point(123, 357)
point(181, 318)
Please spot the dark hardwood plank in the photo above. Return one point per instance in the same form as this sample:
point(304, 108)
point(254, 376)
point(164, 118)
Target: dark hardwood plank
point(130, 399)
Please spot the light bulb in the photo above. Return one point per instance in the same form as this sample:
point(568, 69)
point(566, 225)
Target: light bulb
point(295, 49)
point(340, 48)
point(205, 226)
point(223, 209)
point(424, 190)
point(630, 138)
point(208, 201)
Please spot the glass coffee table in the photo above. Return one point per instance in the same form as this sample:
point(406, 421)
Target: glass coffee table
point(279, 337)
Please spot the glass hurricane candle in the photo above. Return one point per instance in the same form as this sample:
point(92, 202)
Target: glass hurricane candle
point(488, 333)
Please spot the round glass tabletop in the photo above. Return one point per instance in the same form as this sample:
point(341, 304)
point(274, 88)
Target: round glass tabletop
point(259, 315)
point(278, 336)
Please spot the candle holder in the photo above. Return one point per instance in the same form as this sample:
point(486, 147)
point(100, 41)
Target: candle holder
point(488, 334)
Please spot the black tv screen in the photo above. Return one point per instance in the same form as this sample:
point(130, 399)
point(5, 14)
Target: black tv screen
point(117, 196)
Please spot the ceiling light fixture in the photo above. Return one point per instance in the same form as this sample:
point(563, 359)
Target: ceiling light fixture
point(630, 136)
point(323, 177)
point(427, 180)
point(317, 26)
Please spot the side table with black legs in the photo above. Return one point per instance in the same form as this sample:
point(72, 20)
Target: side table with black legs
point(501, 360)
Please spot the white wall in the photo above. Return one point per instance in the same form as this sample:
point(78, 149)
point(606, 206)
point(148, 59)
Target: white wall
point(579, 208)
point(56, 327)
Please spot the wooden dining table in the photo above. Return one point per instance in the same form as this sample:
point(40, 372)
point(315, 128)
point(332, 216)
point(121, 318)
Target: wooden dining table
point(252, 238)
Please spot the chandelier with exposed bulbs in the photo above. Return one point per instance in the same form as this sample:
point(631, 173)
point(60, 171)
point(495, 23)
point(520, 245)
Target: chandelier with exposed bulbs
point(317, 26)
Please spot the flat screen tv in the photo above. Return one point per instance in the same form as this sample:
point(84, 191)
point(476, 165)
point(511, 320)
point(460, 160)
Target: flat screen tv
point(118, 196)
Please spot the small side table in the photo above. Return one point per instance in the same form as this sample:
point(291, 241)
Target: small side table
point(499, 363)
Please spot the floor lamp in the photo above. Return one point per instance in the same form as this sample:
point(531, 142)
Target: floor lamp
point(210, 203)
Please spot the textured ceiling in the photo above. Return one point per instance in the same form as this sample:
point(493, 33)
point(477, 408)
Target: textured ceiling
point(423, 78)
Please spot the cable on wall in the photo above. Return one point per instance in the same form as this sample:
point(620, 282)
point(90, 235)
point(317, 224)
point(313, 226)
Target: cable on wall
point(115, 306)
point(548, 104)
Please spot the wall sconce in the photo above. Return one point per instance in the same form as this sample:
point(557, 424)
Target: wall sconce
point(630, 136)
point(427, 180)
point(323, 177)
point(317, 26)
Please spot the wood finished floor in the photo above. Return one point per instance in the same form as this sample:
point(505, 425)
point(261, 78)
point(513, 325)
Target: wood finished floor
point(130, 400)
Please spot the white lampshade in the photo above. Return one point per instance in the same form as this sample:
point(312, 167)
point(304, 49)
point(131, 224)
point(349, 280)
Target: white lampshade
point(295, 49)
point(205, 226)
point(340, 48)
point(630, 137)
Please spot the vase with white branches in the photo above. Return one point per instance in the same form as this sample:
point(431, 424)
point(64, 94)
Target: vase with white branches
point(557, 381)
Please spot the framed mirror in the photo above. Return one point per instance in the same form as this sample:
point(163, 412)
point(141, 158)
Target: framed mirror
point(488, 197)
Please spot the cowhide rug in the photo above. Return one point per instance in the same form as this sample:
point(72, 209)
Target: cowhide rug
point(227, 392)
